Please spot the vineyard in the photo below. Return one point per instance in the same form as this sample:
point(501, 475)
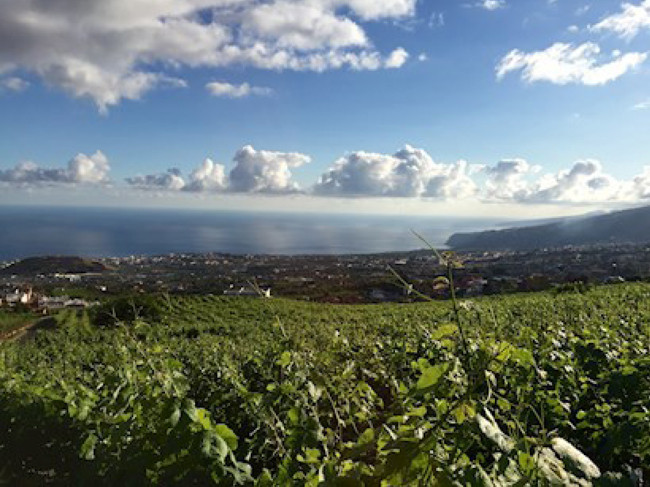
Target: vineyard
point(538, 389)
point(11, 321)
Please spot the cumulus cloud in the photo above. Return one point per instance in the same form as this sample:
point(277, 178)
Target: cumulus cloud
point(585, 181)
point(507, 179)
point(120, 49)
point(565, 63)
point(627, 24)
point(172, 180)
point(265, 171)
point(378, 9)
point(397, 58)
point(453, 182)
point(81, 169)
point(253, 172)
point(13, 83)
point(229, 90)
point(304, 26)
point(516, 180)
point(491, 5)
point(407, 173)
point(641, 184)
point(209, 176)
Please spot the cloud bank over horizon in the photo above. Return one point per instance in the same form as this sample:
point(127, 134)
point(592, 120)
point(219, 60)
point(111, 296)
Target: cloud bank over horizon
point(409, 173)
point(264, 172)
point(81, 169)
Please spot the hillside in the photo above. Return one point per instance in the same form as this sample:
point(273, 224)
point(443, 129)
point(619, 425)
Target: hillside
point(54, 265)
point(628, 226)
point(214, 391)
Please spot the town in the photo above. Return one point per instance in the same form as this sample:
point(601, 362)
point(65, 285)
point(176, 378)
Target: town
point(27, 299)
point(43, 284)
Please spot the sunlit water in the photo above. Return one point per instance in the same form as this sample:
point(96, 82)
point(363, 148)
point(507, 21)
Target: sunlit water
point(29, 231)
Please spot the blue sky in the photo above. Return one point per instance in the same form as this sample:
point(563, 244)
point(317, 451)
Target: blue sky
point(561, 130)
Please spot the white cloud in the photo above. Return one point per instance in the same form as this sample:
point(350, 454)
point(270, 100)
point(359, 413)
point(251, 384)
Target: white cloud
point(491, 5)
point(172, 180)
point(642, 105)
point(378, 9)
point(89, 169)
point(265, 171)
point(507, 179)
point(13, 83)
point(628, 22)
point(120, 49)
point(409, 172)
point(397, 58)
point(453, 182)
point(585, 181)
point(565, 63)
point(81, 169)
point(641, 184)
point(229, 90)
point(209, 176)
point(304, 26)
point(253, 172)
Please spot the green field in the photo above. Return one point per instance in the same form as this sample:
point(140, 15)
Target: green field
point(10, 320)
point(536, 389)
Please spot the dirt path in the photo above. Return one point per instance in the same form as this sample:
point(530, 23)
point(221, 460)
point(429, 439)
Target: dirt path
point(26, 331)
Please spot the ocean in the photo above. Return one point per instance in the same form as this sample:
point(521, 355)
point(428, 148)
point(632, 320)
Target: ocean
point(101, 232)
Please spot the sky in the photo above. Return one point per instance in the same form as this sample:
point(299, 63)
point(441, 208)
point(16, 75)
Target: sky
point(445, 107)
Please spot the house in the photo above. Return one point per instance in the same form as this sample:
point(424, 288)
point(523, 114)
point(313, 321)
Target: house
point(52, 303)
point(19, 297)
point(247, 291)
point(26, 297)
point(76, 304)
point(613, 280)
point(474, 286)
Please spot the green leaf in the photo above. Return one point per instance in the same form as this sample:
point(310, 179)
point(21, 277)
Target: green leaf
point(87, 451)
point(417, 412)
point(443, 331)
point(463, 412)
point(367, 436)
point(526, 463)
point(503, 404)
point(175, 416)
point(431, 376)
point(203, 418)
point(312, 455)
point(221, 448)
point(285, 359)
point(227, 434)
point(294, 415)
